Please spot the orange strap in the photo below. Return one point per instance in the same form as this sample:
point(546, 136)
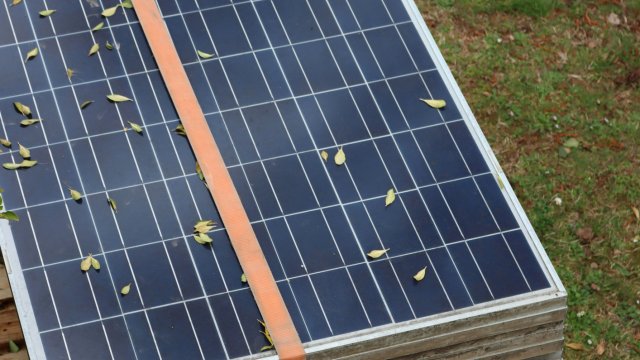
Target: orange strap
point(234, 217)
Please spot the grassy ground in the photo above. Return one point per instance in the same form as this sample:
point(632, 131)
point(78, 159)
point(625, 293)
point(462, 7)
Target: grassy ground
point(537, 73)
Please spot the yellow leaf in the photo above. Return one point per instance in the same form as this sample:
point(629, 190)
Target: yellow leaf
point(98, 27)
point(95, 263)
point(575, 346)
point(15, 2)
point(117, 98)
point(11, 166)
point(374, 254)
point(22, 108)
point(204, 55)
point(202, 239)
point(324, 155)
point(23, 151)
point(180, 130)
point(5, 142)
point(391, 197)
point(137, 128)
point(199, 171)
point(86, 103)
point(70, 73)
point(27, 122)
point(267, 335)
point(75, 194)
point(28, 163)
point(500, 183)
point(45, 13)
point(31, 54)
point(436, 104)
point(420, 274)
point(636, 212)
point(85, 265)
point(203, 226)
point(94, 49)
point(110, 11)
point(125, 289)
point(112, 204)
point(243, 278)
point(340, 157)
point(127, 4)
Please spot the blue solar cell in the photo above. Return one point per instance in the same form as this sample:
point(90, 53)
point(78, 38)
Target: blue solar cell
point(87, 339)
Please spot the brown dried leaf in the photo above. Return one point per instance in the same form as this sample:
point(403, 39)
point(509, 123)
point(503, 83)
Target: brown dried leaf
point(575, 346)
point(601, 348)
point(585, 234)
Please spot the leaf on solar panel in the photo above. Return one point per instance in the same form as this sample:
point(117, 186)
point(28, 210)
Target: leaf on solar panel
point(204, 55)
point(24, 151)
point(108, 45)
point(85, 104)
point(180, 130)
point(391, 197)
point(11, 166)
point(95, 263)
point(15, 2)
point(127, 4)
point(202, 239)
point(340, 157)
point(112, 204)
point(374, 254)
point(125, 289)
point(94, 49)
point(436, 104)
point(27, 122)
point(5, 142)
point(117, 98)
point(9, 215)
point(199, 171)
point(500, 183)
point(45, 13)
point(28, 163)
point(110, 11)
point(325, 155)
point(22, 108)
point(267, 335)
point(85, 264)
point(243, 278)
point(70, 73)
point(75, 194)
point(31, 54)
point(204, 226)
point(137, 128)
point(420, 274)
point(98, 27)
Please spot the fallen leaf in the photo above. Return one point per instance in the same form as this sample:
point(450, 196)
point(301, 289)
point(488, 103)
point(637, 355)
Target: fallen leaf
point(28, 163)
point(203, 226)
point(199, 171)
point(125, 289)
point(70, 73)
point(563, 152)
point(5, 142)
point(180, 130)
point(112, 204)
point(202, 239)
point(557, 200)
point(243, 278)
point(22, 108)
point(500, 183)
point(436, 104)
point(636, 212)
point(374, 254)
point(571, 143)
point(86, 103)
point(98, 27)
point(13, 347)
point(601, 347)
point(75, 194)
point(420, 274)
point(117, 98)
point(45, 13)
point(94, 49)
point(127, 4)
point(267, 335)
point(391, 197)
point(11, 166)
point(324, 155)
point(266, 348)
point(137, 128)
point(85, 265)
point(613, 19)
point(585, 234)
point(204, 55)
point(110, 11)
point(27, 122)
point(108, 45)
point(23, 151)
point(340, 157)
point(575, 346)
point(9, 215)
point(95, 263)
point(31, 54)
point(15, 2)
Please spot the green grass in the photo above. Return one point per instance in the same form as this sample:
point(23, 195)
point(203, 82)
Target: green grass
point(535, 73)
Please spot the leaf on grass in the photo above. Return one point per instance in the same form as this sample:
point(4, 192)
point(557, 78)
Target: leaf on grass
point(70, 73)
point(24, 151)
point(391, 197)
point(112, 204)
point(5, 142)
point(575, 346)
point(135, 127)
point(94, 49)
point(571, 143)
point(110, 11)
point(27, 122)
point(325, 155)
point(31, 54)
point(116, 98)
point(85, 265)
point(180, 130)
point(420, 274)
point(243, 278)
point(125, 289)
point(98, 27)
point(199, 171)
point(127, 4)
point(340, 157)
point(108, 45)
point(86, 103)
point(204, 55)
point(9, 215)
point(13, 347)
point(45, 13)
point(601, 348)
point(374, 254)
point(95, 263)
point(75, 194)
point(28, 163)
point(15, 2)
point(22, 108)
point(436, 104)
point(636, 212)
point(563, 152)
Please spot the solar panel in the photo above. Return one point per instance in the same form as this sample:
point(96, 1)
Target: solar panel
point(289, 79)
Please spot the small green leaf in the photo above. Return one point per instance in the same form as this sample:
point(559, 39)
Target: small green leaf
point(112, 204)
point(420, 274)
point(28, 163)
point(125, 289)
point(27, 122)
point(266, 348)
point(204, 55)
point(85, 264)
point(374, 254)
point(117, 98)
point(199, 171)
point(137, 128)
point(204, 226)
point(86, 103)
point(94, 49)
point(325, 155)
point(127, 4)
point(108, 45)
point(95, 263)
point(180, 130)
point(571, 143)
point(75, 194)
point(391, 197)
point(13, 347)
point(110, 11)
point(243, 278)
point(70, 73)
point(5, 142)
point(24, 151)
point(98, 27)
point(22, 108)
point(11, 166)
point(45, 13)
point(9, 215)
point(202, 239)
point(31, 54)
point(340, 157)
point(436, 104)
